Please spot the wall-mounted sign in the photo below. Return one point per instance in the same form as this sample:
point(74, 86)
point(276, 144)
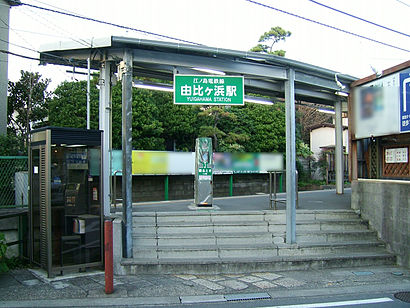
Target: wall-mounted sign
point(404, 102)
point(396, 155)
point(208, 90)
point(382, 106)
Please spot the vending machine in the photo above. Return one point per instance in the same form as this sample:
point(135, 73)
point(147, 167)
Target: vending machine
point(65, 212)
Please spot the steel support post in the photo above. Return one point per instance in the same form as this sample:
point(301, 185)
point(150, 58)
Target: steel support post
point(290, 158)
point(339, 148)
point(127, 150)
point(104, 125)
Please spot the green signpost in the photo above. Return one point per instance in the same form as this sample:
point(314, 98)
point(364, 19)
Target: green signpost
point(208, 90)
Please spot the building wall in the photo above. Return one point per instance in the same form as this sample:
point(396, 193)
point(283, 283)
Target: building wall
point(4, 35)
point(386, 205)
point(325, 136)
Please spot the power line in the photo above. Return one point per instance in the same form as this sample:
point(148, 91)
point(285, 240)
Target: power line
point(328, 26)
point(109, 23)
point(359, 18)
point(402, 2)
point(17, 55)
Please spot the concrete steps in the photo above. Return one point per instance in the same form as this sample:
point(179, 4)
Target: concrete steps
point(224, 240)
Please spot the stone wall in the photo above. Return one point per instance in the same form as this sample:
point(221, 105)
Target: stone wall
point(152, 187)
point(386, 205)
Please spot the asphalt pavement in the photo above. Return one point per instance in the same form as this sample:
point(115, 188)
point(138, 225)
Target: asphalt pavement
point(308, 200)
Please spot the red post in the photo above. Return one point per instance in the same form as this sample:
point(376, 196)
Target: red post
point(108, 257)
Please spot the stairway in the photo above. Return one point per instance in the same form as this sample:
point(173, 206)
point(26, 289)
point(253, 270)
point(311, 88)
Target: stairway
point(233, 242)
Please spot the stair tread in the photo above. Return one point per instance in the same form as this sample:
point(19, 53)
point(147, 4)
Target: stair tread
point(352, 255)
point(371, 244)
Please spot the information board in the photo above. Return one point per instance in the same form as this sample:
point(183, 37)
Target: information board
point(208, 90)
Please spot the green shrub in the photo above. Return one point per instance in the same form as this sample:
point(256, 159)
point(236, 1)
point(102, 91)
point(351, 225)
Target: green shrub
point(3, 250)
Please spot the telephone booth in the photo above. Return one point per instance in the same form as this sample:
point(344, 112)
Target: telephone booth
point(65, 212)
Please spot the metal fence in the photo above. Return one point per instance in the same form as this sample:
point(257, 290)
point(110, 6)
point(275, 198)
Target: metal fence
point(13, 181)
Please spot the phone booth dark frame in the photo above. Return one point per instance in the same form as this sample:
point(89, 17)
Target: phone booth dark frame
point(65, 211)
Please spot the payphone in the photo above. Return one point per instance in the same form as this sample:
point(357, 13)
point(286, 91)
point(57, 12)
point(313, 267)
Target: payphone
point(64, 199)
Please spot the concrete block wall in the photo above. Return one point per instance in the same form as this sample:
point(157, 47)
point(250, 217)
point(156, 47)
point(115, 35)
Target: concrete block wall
point(386, 205)
point(9, 227)
point(152, 187)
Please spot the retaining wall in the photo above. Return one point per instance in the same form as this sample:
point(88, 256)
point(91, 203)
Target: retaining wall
point(386, 205)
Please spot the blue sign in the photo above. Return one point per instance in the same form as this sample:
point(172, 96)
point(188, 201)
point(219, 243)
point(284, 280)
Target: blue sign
point(404, 102)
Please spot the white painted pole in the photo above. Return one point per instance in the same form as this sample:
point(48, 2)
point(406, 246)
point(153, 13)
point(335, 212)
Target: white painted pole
point(88, 93)
point(290, 158)
point(339, 148)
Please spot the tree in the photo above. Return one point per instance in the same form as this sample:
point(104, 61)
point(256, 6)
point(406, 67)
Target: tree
point(27, 103)
point(11, 145)
point(221, 125)
point(265, 126)
point(270, 38)
point(306, 117)
point(68, 107)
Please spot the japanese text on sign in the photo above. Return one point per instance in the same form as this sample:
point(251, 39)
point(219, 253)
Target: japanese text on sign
point(208, 90)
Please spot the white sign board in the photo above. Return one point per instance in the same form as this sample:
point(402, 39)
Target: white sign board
point(396, 155)
point(376, 107)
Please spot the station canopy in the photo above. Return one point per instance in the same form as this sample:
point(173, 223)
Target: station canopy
point(263, 74)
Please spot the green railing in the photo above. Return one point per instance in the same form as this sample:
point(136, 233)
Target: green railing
point(13, 181)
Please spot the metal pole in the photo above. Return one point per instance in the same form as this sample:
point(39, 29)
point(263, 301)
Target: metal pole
point(280, 182)
point(274, 189)
point(108, 257)
point(339, 147)
point(290, 158)
point(231, 185)
point(166, 188)
point(88, 93)
point(104, 120)
point(270, 189)
point(127, 150)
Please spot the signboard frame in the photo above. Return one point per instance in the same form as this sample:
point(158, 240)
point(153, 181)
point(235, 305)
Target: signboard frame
point(209, 90)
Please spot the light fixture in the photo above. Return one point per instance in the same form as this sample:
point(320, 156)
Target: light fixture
point(326, 111)
point(341, 93)
point(156, 87)
point(257, 100)
point(209, 71)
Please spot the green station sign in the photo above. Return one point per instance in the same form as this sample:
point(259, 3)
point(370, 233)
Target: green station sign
point(208, 90)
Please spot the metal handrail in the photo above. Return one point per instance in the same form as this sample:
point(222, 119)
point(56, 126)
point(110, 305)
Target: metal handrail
point(114, 193)
point(274, 199)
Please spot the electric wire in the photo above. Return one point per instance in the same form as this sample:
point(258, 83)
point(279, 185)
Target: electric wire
point(53, 27)
point(328, 26)
point(33, 32)
point(359, 18)
point(108, 23)
point(404, 3)
point(17, 55)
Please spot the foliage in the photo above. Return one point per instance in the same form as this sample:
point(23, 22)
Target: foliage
point(27, 102)
point(11, 145)
point(270, 38)
point(322, 163)
point(180, 124)
point(147, 128)
point(68, 107)
point(307, 117)
point(220, 124)
point(264, 125)
point(3, 250)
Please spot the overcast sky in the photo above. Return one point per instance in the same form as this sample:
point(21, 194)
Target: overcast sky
point(231, 24)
